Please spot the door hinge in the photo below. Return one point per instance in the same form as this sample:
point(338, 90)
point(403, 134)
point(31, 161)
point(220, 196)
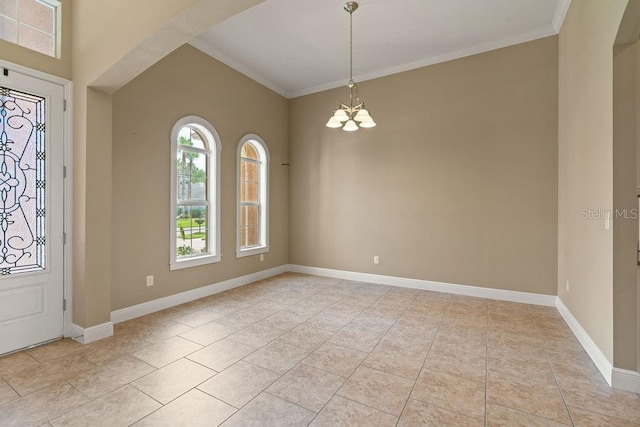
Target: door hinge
point(64, 171)
point(64, 105)
point(64, 238)
point(64, 305)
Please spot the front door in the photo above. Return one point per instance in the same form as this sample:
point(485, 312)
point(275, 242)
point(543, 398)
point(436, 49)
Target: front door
point(31, 211)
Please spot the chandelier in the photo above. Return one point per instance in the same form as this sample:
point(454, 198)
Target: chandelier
point(355, 115)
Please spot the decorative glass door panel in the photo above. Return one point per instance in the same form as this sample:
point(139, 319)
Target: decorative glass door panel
point(22, 182)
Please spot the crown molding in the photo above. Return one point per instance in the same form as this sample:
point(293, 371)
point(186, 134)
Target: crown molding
point(206, 48)
point(473, 50)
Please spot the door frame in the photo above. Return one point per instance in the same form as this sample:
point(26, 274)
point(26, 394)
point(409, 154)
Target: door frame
point(67, 131)
point(638, 287)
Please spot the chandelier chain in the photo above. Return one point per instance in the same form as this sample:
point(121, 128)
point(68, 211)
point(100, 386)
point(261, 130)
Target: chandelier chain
point(350, 47)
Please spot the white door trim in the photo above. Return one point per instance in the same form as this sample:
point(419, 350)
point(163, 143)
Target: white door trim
point(67, 132)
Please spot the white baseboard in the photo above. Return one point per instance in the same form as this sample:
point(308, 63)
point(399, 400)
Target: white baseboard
point(597, 356)
point(91, 334)
point(625, 380)
point(194, 294)
point(74, 331)
point(427, 285)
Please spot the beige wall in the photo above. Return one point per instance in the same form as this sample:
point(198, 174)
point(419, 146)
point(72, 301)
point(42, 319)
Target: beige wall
point(457, 183)
point(100, 45)
point(585, 181)
point(625, 223)
point(60, 67)
point(110, 59)
point(187, 82)
point(106, 59)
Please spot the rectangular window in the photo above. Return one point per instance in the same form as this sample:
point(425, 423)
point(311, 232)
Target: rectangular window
point(253, 197)
point(192, 203)
point(191, 226)
point(249, 203)
point(33, 24)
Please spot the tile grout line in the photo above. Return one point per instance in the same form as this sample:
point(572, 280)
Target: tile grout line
point(87, 403)
point(423, 361)
point(177, 397)
point(157, 369)
point(539, 341)
point(162, 405)
point(553, 372)
point(80, 391)
point(282, 375)
point(347, 378)
point(73, 409)
point(233, 364)
point(445, 372)
point(14, 390)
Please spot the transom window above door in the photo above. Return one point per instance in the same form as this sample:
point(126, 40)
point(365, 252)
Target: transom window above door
point(34, 24)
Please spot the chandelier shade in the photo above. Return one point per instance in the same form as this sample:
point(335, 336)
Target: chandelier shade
point(341, 115)
point(350, 126)
point(362, 115)
point(334, 123)
point(367, 124)
point(353, 116)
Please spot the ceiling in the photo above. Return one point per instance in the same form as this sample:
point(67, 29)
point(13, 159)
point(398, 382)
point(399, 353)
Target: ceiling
point(298, 47)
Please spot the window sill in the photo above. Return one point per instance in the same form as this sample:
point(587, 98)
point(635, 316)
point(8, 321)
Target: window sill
point(194, 262)
point(253, 251)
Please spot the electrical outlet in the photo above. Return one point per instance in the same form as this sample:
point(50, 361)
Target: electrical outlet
point(149, 280)
point(261, 257)
point(567, 286)
point(376, 259)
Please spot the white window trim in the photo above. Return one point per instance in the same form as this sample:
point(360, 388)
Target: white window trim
point(56, 5)
point(215, 148)
point(263, 152)
point(58, 27)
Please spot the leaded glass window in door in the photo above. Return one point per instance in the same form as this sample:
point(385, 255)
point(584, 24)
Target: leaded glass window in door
point(22, 182)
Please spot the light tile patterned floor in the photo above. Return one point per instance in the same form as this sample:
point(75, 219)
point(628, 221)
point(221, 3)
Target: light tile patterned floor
point(304, 350)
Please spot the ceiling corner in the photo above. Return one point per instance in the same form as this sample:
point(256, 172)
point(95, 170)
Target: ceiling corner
point(207, 49)
point(561, 12)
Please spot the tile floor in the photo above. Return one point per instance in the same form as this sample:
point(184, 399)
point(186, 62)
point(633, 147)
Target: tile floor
point(304, 350)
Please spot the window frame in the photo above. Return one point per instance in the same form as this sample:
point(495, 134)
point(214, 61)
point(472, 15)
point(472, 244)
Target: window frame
point(207, 130)
point(56, 5)
point(265, 159)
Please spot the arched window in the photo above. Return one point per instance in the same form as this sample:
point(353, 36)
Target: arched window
point(253, 197)
point(195, 193)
